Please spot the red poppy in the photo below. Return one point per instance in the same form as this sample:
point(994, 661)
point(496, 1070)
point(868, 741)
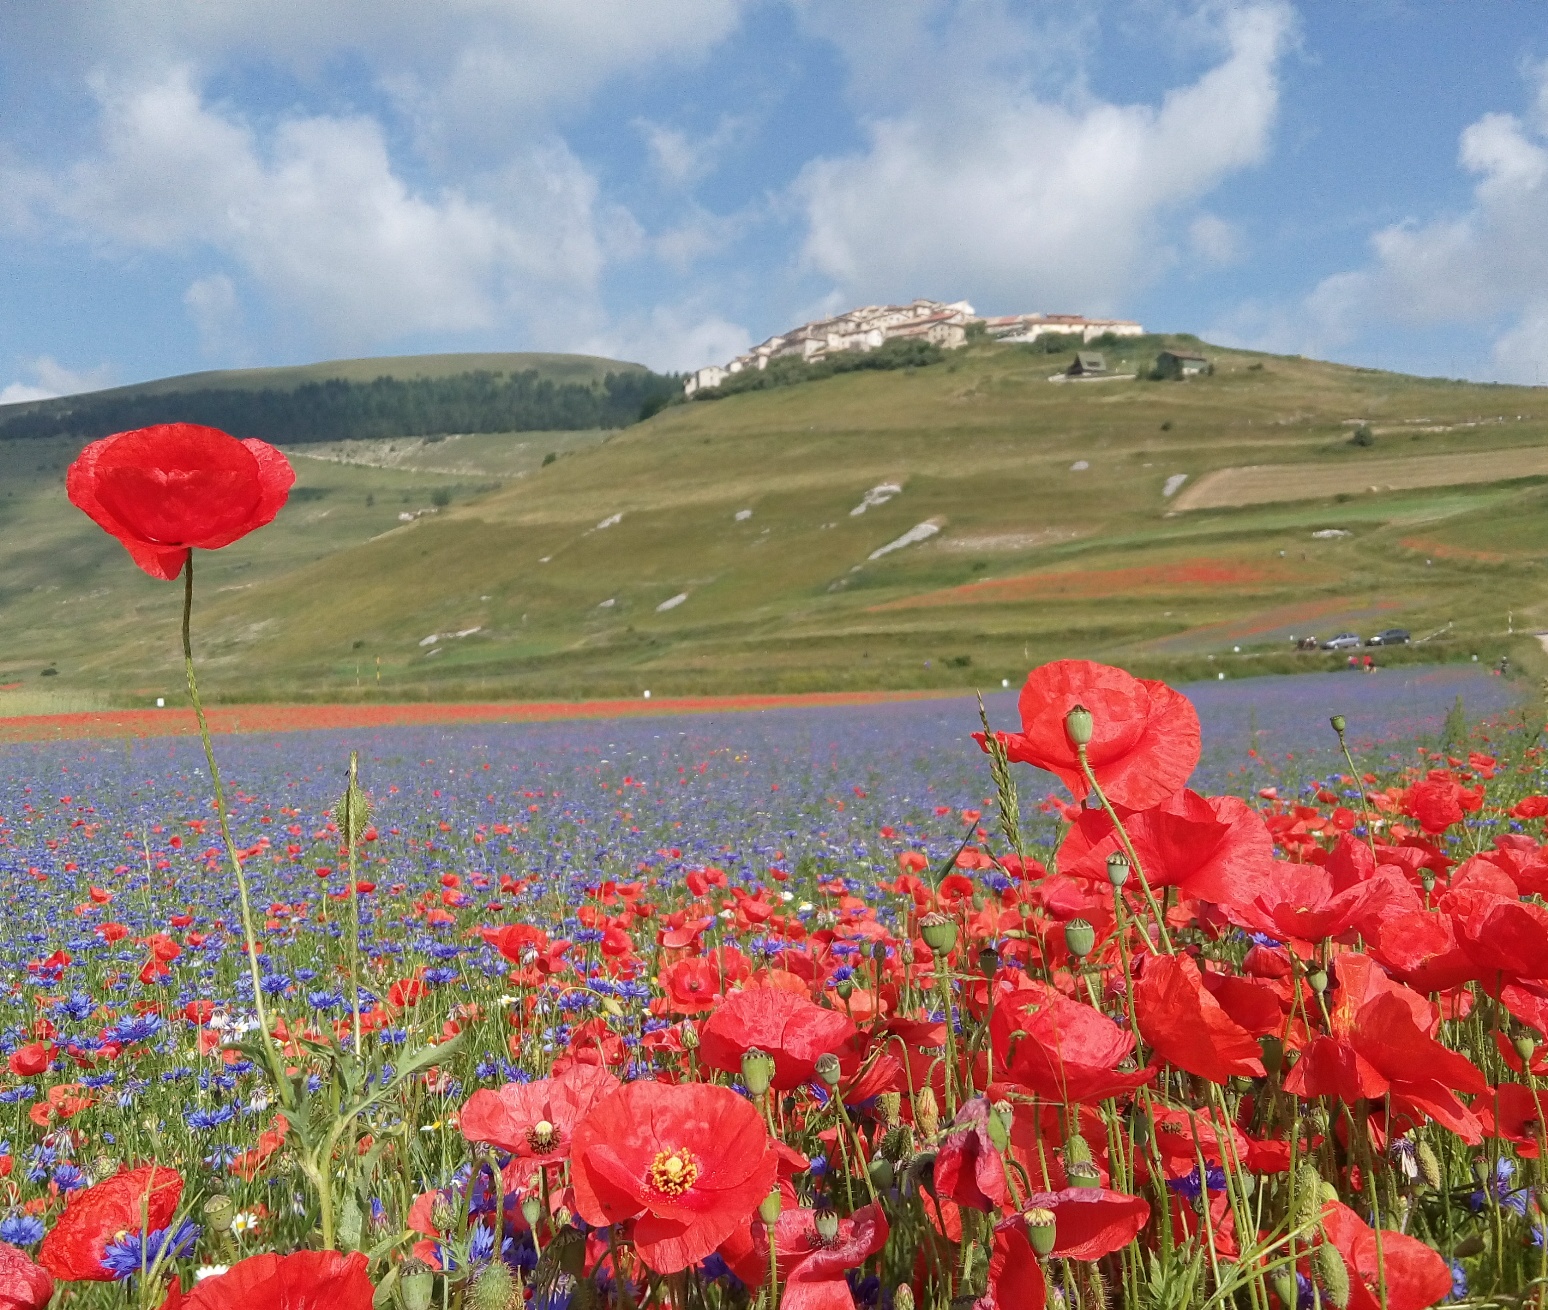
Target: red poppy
point(792, 1029)
point(1144, 735)
point(30, 1060)
point(691, 985)
point(1090, 1222)
point(23, 1285)
point(536, 1120)
point(1015, 1273)
point(968, 1168)
point(1060, 1049)
point(306, 1280)
point(1187, 1026)
point(1515, 1113)
point(162, 490)
point(133, 1201)
point(1382, 1045)
point(1414, 1275)
point(690, 1162)
point(812, 1270)
point(1214, 848)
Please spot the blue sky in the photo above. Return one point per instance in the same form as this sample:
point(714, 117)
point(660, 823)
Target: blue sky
point(188, 185)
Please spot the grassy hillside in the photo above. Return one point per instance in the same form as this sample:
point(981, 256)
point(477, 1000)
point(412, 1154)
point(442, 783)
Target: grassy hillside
point(1054, 536)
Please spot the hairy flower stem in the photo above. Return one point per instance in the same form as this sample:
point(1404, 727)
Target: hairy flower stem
point(1365, 804)
point(352, 842)
point(276, 1068)
point(1128, 848)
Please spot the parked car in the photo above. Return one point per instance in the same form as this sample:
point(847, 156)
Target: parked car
point(1390, 637)
point(1344, 641)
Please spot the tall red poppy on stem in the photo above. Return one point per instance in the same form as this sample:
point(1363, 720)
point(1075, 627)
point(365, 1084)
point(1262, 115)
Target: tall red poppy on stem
point(1187, 1026)
point(306, 1280)
point(132, 1201)
point(165, 489)
point(1144, 736)
point(812, 1268)
point(688, 1162)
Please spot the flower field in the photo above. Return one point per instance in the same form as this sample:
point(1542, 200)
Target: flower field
point(623, 983)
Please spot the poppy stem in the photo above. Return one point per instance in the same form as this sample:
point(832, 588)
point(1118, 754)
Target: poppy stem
point(276, 1069)
point(1128, 848)
point(1365, 804)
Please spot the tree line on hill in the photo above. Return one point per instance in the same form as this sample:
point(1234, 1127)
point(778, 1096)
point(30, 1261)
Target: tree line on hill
point(336, 410)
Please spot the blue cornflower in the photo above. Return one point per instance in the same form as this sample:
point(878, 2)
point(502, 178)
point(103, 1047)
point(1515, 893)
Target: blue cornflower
point(1188, 1184)
point(276, 984)
point(324, 1000)
point(79, 1006)
point(128, 1255)
point(203, 1120)
point(68, 1178)
point(21, 1230)
point(439, 977)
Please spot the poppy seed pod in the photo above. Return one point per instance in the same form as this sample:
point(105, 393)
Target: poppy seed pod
point(939, 932)
point(1338, 724)
point(1084, 1174)
point(416, 1284)
point(826, 1223)
point(1525, 1045)
point(879, 952)
point(531, 1209)
point(882, 1173)
point(1080, 937)
point(1117, 868)
point(219, 1213)
point(1286, 1288)
point(845, 989)
point(1041, 1228)
point(1318, 979)
point(757, 1070)
point(769, 1208)
point(988, 961)
point(828, 1069)
point(1078, 725)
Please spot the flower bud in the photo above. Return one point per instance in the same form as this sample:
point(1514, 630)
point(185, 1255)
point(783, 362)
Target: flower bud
point(903, 1297)
point(1332, 1274)
point(889, 1103)
point(927, 1114)
point(1077, 726)
point(689, 1036)
point(1076, 1150)
point(1117, 868)
point(416, 1284)
point(1080, 937)
point(757, 1070)
point(219, 1213)
point(443, 1214)
point(1429, 1164)
point(1041, 1228)
point(562, 1217)
point(999, 1133)
point(1308, 1195)
point(769, 1208)
point(494, 1288)
point(939, 932)
point(828, 1069)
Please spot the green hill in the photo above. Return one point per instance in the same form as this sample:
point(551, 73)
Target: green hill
point(364, 398)
point(721, 546)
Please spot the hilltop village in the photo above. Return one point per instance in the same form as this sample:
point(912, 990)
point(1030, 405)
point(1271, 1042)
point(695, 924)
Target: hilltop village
point(871, 326)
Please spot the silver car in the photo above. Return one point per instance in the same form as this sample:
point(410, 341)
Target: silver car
point(1344, 641)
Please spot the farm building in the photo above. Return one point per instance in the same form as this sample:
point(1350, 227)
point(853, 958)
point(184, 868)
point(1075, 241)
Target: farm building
point(1175, 365)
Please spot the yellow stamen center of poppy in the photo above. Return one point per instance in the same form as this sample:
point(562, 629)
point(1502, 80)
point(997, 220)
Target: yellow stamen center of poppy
point(673, 1172)
point(542, 1136)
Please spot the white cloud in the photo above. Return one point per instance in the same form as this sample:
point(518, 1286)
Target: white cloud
point(51, 378)
point(468, 72)
point(1487, 266)
point(995, 193)
point(681, 159)
point(216, 311)
point(673, 338)
point(313, 211)
point(1214, 240)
